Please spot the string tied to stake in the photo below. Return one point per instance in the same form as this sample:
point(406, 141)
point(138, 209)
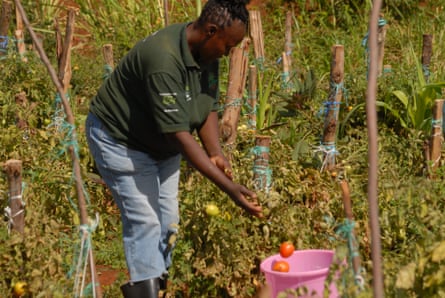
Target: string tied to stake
point(346, 231)
point(329, 151)
point(261, 168)
point(84, 256)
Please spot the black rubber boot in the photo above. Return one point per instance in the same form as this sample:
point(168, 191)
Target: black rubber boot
point(143, 289)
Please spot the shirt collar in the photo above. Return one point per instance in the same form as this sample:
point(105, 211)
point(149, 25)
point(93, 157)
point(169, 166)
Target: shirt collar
point(187, 56)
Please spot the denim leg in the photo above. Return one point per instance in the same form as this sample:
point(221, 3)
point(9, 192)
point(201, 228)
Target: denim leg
point(145, 190)
point(168, 202)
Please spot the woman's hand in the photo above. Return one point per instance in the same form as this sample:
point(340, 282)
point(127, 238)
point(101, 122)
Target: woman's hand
point(223, 164)
point(239, 194)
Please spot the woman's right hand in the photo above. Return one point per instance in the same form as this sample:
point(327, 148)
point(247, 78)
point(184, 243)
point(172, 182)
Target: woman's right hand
point(240, 194)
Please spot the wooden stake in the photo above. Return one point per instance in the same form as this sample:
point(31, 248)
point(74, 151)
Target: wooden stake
point(381, 46)
point(22, 102)
point(348, 214)
point(5, 18)
point(235, 89)
point(332, 107)
point(286, 72)
point(427, 52)
point(253, 96)
point(20, 36)
point(261, 172)
point(65, 72)
point(166, 17)
point(256, 33)
point(436, 139)
point(288, 38)
point(13, 169)
point(107, 51)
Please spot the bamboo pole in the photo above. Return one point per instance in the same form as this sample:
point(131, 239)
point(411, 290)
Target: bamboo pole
point(371, 124)
point(253, 96)
point(436, 139)
point(235, 89)
point(70, 119)
point(427, 52)
point(5, 18)
point(332, 107)
point(256, 33)
point(13, 169)
point(261, 171)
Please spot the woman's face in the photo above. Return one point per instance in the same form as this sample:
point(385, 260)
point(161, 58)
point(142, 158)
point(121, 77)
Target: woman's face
point(220, 43)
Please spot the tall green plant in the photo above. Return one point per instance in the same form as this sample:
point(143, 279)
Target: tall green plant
point(413, 110)
point(266, 113)
point(419, 103)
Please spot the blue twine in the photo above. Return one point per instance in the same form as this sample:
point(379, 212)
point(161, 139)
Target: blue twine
point(382, 22)
point(280, 59)
point(329, 151)
point(82, 252)
point(262, 171)
point(286, 83)
point(436, 122)
point(251, 110)
point(443, 117)
point(107, 71)
point(387, 70)
point(346, 231)
point(236, 102)
point(331, 106)
point(3, 47)
point(4, 43)
point(259, 62)
point(426, 71)
point(69, 140)
point(257, 150)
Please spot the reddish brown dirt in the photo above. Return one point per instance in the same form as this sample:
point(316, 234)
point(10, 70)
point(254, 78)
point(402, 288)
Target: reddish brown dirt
point(107, 275)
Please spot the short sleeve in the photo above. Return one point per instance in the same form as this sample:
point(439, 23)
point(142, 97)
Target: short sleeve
point(168, 102)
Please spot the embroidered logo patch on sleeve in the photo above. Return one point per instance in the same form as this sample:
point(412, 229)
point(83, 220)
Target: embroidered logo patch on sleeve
point(168, 98)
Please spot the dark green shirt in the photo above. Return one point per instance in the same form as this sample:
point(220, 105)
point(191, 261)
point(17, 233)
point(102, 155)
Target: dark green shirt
point(157, 88)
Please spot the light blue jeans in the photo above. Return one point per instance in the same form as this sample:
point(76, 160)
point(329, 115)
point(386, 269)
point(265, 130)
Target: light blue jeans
point(145, 190)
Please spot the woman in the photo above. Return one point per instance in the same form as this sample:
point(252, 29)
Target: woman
point(141, 122)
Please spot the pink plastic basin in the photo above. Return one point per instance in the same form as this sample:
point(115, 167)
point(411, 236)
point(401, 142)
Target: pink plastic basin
point(307, 269)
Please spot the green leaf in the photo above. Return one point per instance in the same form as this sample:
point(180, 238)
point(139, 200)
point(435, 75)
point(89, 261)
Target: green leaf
point(402, 97)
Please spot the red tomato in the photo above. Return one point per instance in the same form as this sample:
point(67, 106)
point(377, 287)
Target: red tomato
point(286, 249)
point(280, 266)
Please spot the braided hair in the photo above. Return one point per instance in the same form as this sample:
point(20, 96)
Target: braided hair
point(223, 12)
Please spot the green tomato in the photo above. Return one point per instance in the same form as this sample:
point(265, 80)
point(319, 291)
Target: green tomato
point(212, 210)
